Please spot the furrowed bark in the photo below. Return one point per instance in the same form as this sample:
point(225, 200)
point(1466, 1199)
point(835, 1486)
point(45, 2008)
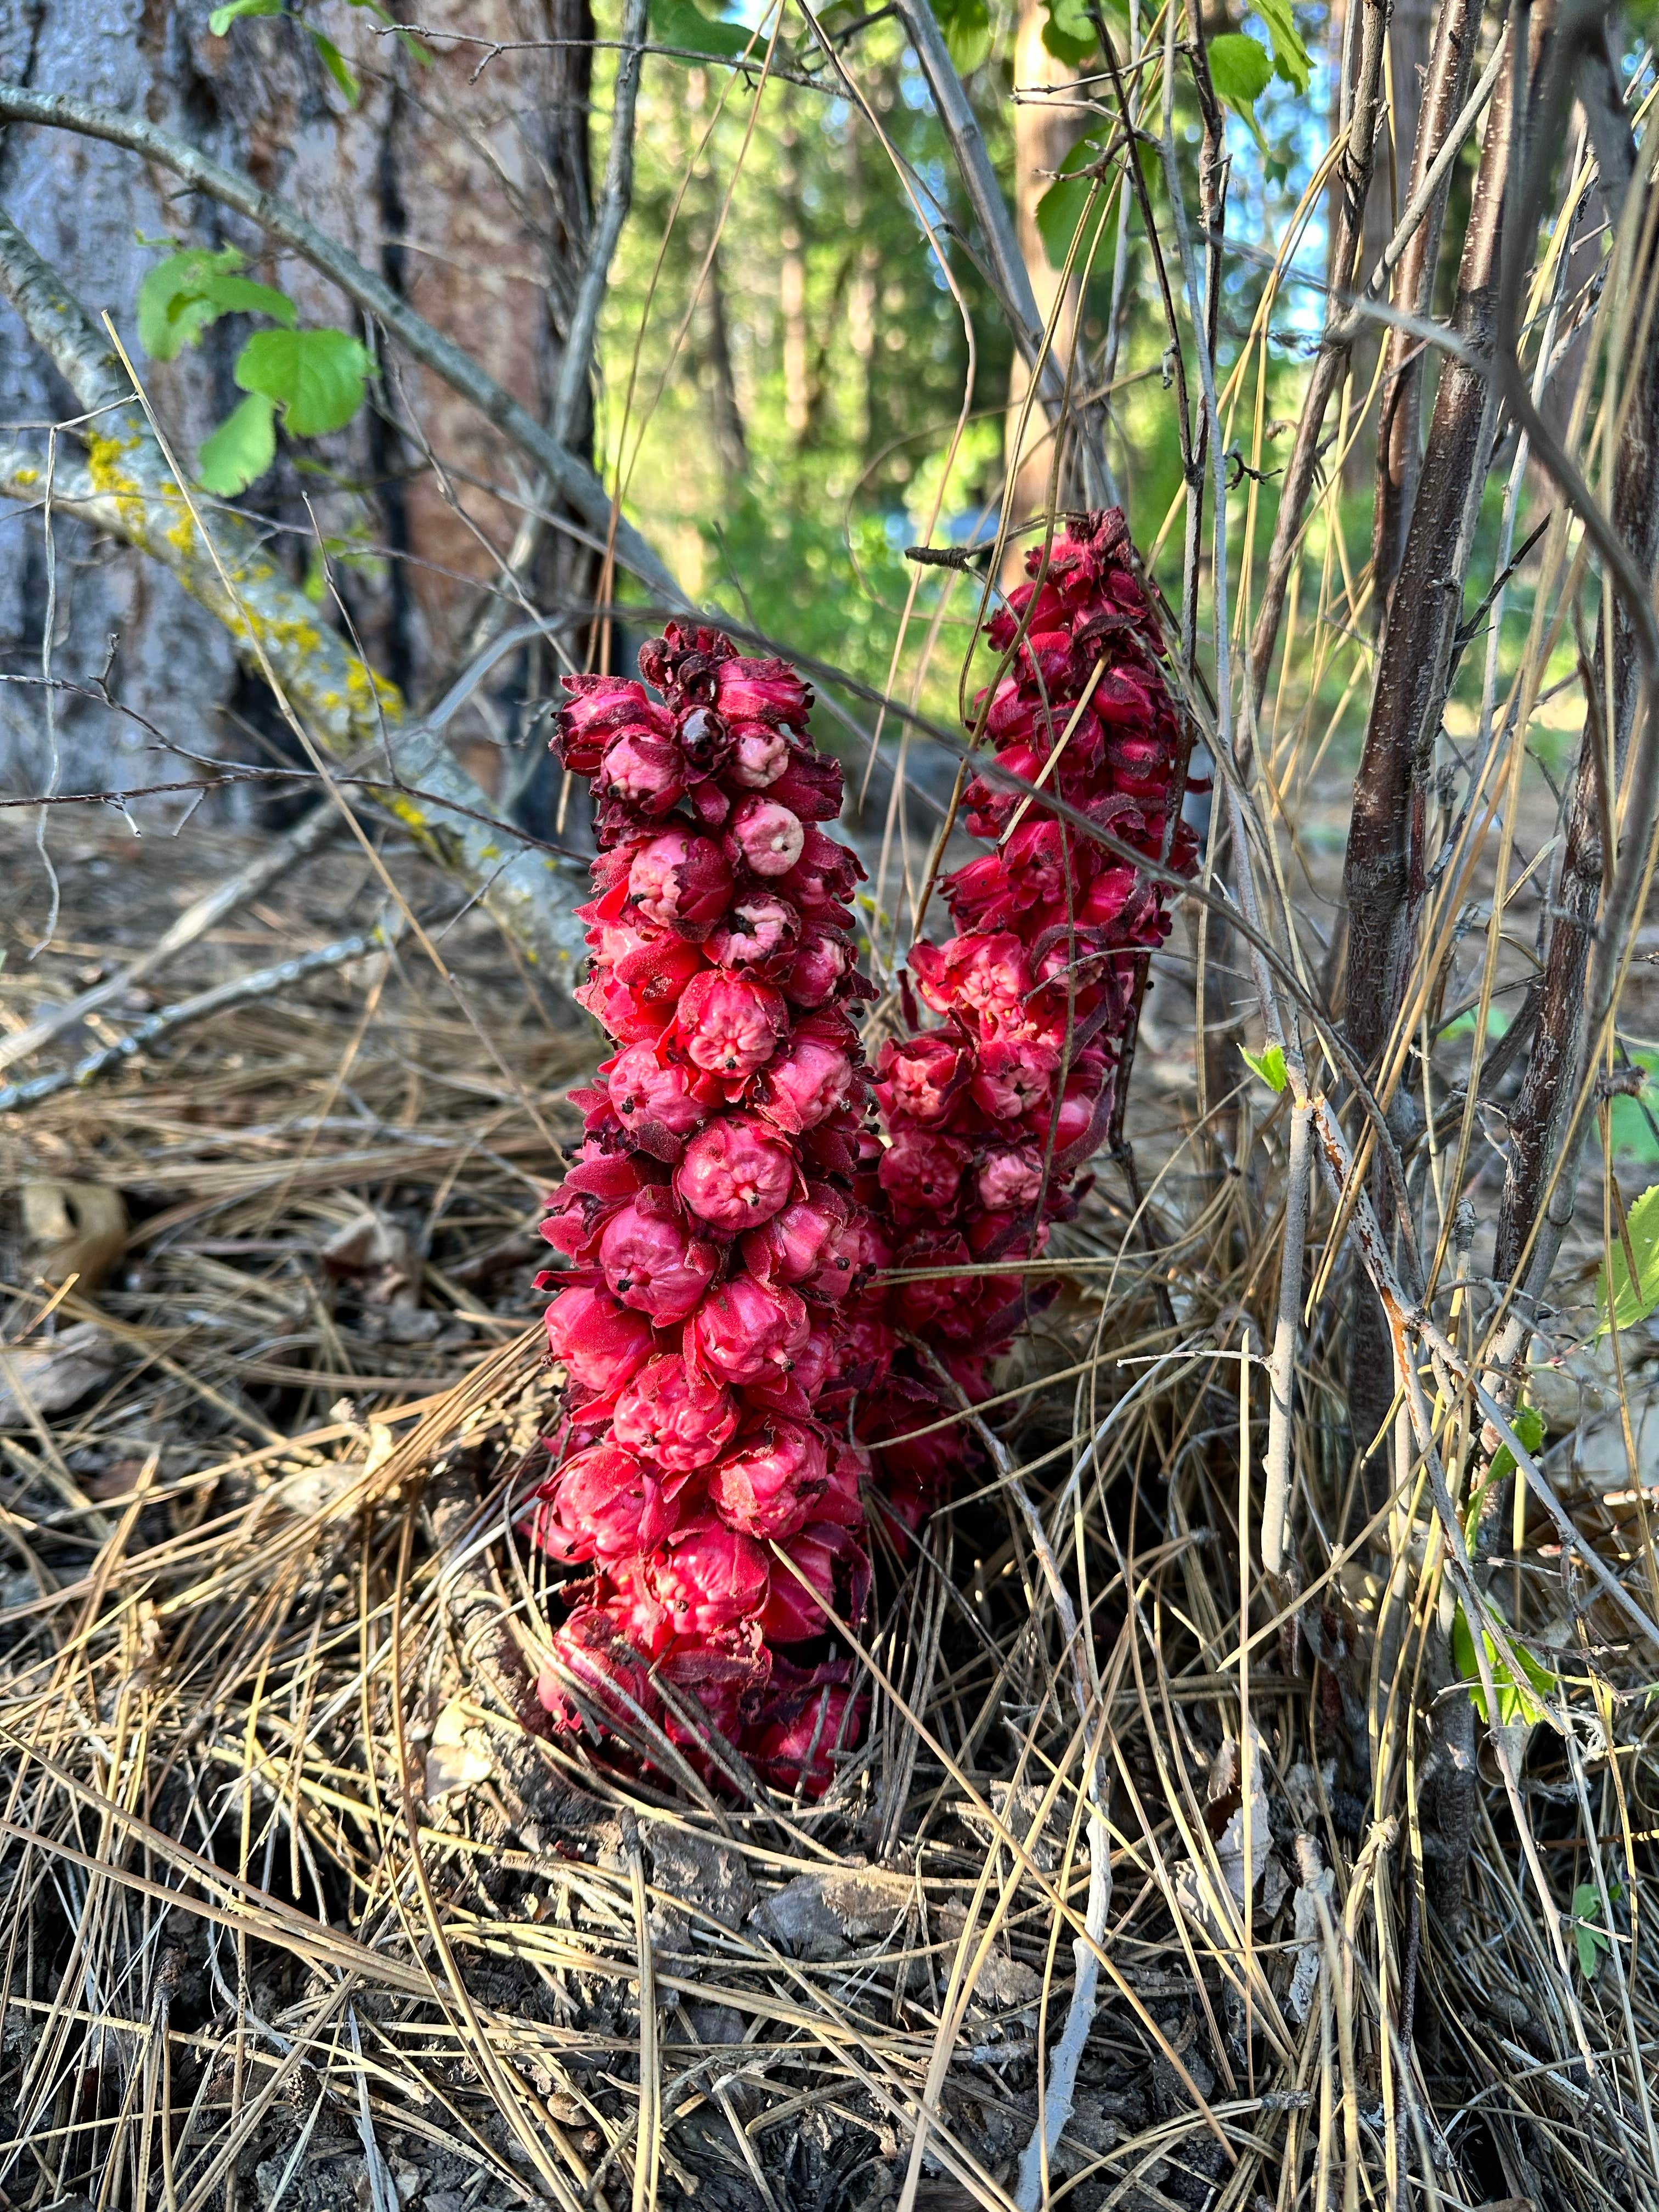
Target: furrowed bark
point(1385, 868)
point(1354, 173)
point(1399, 439)
point(128, 490)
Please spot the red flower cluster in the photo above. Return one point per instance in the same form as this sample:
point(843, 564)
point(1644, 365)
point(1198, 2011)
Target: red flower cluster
point(725, 1323)
point(716, 1247)
point(990, 1116)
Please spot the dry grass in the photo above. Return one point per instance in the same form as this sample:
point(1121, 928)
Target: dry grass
point(302, 1907)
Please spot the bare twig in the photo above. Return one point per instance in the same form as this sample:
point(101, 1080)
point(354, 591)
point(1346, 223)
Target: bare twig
point(1281, 1372)
point(241, 991)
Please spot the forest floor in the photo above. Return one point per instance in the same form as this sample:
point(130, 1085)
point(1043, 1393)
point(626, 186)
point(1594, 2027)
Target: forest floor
point(299, 1905)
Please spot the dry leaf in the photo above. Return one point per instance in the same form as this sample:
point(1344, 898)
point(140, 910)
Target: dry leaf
point(379, 1257)
point(77, 1229)
point(55, 1373)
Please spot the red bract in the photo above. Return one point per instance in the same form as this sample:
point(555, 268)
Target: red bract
point(708, 1576)
point(602, 1504)
point(769, 1485)
point(601, 1343)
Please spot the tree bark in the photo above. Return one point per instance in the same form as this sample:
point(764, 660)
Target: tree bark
point(1450, 68)
point(1386, 866)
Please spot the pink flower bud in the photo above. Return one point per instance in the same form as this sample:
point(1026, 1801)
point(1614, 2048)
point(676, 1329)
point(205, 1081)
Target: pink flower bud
point(594, 1667)
point(825, 960)
point(708, 1576)
point(1009, 1180)
point(821, 881)
point(990, 976)
point(794, 1612)
point(602, 1504)
point(761, 691)
point(1013, 1077)
point(807, 1084)
point(730, 1023)
point(602, 706)
point(799, 1754)
point(922, 1076)
point(653, 1262)
point(759, 756)
point(764, 836)
point(643, 772)
point(644, 1092)
point(745, 1330)
point(768, 1487)
point(921, 1170)
point(682, 1421)
point(734, 1174)
point(682, 881)
point(600, 1343)
point(794, 1244)
point(756, 930)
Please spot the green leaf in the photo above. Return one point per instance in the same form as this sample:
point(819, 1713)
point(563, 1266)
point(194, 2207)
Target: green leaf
point(1291, 61)
point(1269, 1065)
point(316, 377)
point(173, 309)
point(185, 294)
point(241, 449)
point(967, 27)
point(1515, 1699)
point(1631, 1301)
point(1062, 208)
point(1240, 72)
point(1528, 1424)
point(1069, 32)
point(681, 23)
point(337, 66)
point(1590, 1938)
point(222, 18)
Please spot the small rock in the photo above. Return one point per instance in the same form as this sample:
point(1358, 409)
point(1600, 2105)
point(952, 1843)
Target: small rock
point(698, 1871)
point(1007, 1983)
point(799, 1921)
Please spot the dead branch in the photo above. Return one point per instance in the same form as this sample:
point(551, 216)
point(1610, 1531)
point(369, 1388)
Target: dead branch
point(241, 991)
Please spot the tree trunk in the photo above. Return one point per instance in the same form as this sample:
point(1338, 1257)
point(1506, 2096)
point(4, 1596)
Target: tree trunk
point(1385, 869)
point(471, 199)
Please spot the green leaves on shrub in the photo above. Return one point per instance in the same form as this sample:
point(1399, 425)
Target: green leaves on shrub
point(967, 27)
point(1269, 1065)
point(682, 24)
point(1517, 1700)
point(1629, 1300)
point(187, 293)
point(1241, 71)
point(1590, 1937)
point(315, 377)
